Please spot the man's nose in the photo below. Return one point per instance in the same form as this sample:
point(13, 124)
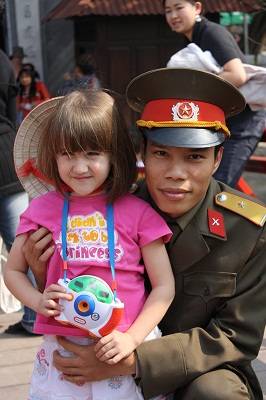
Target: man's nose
point(176, 171)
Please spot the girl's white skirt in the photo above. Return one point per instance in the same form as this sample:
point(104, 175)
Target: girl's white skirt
point(47, 382)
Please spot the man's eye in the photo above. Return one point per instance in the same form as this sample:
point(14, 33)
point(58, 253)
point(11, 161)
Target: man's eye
point(160, 153)
point(195, 156)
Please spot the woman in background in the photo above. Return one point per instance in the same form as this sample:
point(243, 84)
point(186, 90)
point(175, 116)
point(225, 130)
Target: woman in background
point(31, 91)
point(184, 17)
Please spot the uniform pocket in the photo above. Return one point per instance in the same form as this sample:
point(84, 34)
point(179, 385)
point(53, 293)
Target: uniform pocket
point(209, 285)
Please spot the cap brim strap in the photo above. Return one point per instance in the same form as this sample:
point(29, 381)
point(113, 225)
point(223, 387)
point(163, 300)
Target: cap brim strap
point(217, 125)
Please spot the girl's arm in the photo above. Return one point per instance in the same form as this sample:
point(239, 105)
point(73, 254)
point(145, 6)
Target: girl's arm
point(15, 276)
point(115, 346)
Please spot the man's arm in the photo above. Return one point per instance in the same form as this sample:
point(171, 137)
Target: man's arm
point(37, 250)
point(233, 336)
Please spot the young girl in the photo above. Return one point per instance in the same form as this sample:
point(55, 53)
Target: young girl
point(31, 91)
point(81, 146)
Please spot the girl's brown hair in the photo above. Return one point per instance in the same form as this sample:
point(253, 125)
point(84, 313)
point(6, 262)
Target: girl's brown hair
point(85, 120)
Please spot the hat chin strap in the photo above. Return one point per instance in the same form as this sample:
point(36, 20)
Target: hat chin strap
point(217, 125)
point(28, 168)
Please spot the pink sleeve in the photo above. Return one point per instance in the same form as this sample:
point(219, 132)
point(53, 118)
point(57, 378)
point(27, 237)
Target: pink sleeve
point(26, 223)
point(152, 227)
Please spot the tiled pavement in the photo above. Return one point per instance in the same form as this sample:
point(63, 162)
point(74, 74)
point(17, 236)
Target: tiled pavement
point(17, 354)
point(16, 358)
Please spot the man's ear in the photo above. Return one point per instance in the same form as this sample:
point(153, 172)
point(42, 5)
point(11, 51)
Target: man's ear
point(218, 159)
point(143, 147)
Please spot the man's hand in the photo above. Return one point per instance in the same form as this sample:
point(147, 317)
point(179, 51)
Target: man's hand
point(84, 366)
point(37, 250)
point(114, 347)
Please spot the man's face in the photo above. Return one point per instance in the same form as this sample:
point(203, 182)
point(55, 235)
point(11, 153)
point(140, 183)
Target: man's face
point(177, 177)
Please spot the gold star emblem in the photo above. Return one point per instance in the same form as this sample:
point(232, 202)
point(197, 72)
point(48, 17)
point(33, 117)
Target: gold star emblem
point(185, 110)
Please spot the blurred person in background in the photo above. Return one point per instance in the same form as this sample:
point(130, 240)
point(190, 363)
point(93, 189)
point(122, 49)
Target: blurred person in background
point(83, 76)
point(16, 59)
point(31, 91)
point(13, 199)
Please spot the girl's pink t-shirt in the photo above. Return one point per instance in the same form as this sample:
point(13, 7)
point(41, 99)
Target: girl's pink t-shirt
point(136, 224)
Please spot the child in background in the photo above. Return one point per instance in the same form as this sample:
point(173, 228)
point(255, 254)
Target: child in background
point(31, 91)
point(82, 147)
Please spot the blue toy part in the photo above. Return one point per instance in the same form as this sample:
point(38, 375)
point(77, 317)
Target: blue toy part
point(93, 306)
point(84, 305)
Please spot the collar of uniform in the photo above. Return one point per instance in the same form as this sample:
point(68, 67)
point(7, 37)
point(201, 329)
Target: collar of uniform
point(181, 222)
point(199, 211)
point(191, 246)
point(202, 216)
point(185, 219)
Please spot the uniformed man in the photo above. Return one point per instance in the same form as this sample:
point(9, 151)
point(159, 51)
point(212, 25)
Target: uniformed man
point(215, 325)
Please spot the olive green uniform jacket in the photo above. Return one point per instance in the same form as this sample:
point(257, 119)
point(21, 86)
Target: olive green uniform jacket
point(218, 315)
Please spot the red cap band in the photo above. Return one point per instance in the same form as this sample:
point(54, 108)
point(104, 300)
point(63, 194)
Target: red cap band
point(181, 110)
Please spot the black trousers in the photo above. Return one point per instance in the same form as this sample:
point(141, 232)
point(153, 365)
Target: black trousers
point(246, 131)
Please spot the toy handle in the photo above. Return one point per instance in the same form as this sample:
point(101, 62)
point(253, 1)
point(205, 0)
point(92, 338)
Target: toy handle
point(113, 322)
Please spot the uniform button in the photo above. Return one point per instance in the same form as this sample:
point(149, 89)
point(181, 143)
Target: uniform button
point(221, 197)
point(206, 291)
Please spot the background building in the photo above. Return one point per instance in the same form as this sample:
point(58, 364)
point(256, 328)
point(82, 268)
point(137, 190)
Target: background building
point(124, 37)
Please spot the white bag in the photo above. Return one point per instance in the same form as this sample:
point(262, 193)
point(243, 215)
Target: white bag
point(8, 303)
point(253, 90)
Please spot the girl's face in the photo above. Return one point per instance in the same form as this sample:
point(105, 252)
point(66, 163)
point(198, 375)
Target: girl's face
point(84, 172)
point(181, 15)
point(25, 79)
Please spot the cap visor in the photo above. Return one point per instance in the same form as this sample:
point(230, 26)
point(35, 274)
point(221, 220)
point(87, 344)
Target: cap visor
point(184, 137)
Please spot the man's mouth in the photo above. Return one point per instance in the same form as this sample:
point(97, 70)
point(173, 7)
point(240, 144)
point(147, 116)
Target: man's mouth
point(174, 194)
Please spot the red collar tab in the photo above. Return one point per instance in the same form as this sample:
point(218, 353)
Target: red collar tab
point(216, 223)
point(182, 110)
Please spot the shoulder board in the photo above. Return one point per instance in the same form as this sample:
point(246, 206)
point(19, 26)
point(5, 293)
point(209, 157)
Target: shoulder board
point(249, 209)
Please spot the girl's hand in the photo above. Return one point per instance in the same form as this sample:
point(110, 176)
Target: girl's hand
point(114, 347)
point(48, 304)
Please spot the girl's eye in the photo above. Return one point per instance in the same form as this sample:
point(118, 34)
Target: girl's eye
point(92, 153)
point(65, 153)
